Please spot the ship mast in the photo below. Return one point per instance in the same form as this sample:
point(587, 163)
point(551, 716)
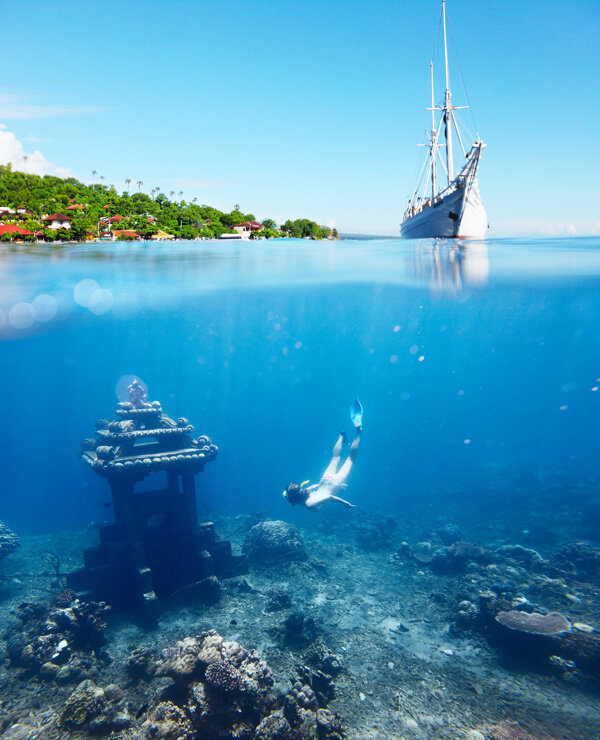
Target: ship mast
point(448, 115)
point(433, 143)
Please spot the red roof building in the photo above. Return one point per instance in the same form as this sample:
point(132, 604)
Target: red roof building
point(57, 221)
point(75, 207)
point(115, 219)
point(14, 229)
point(57, 217)
point(126, 232)
point(248, 226)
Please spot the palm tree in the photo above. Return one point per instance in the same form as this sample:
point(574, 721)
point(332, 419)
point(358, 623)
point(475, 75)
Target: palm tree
point(194, 200)
point(128, 183)
point(171, 193)
point(139, 184)
point(102, 178)
point(180, 193)
point(94, 173)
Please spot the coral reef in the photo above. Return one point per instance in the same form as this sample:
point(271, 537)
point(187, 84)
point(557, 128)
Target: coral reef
point(546, 641)
point(222, 676)
point(273, 541)
point(141, 664)
point(220, 690)
point(8, 541)
point(57, 642)
point(449, 534)
point(521, 555)
point(533, 623)
point(584, 650)
point(320, 685)
point(579, 558)
point(64, 598)
point(82, 624)
point(376, 534)
point(404, 673)
point(455, 557)
point(298, 630)
point(422, 552)
point(166, 722)
point(100, 711)
point(319, 655)
point(84, 704)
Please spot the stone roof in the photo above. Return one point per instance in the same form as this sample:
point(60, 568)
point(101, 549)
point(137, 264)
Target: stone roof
point(143, 439)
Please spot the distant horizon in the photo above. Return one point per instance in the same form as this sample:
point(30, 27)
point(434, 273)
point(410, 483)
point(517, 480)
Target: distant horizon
point(310, 110)
point(343, 234)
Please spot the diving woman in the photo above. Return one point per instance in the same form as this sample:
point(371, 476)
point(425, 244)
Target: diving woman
point(333, 480)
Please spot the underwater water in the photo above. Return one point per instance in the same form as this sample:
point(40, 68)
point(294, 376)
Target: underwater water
point(477, 364)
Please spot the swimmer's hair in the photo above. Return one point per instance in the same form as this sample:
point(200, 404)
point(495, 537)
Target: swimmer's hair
point(295, 494)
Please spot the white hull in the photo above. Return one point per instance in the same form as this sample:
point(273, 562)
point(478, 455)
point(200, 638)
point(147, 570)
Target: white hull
point(459, 214)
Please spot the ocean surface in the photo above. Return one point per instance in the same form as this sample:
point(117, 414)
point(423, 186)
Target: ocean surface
point(478, 367)
point(476, 363)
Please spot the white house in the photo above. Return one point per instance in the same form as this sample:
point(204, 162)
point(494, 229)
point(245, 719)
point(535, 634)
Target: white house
point(57, 221)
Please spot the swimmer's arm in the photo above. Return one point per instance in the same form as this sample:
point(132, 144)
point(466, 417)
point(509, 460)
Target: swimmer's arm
point(342, 501)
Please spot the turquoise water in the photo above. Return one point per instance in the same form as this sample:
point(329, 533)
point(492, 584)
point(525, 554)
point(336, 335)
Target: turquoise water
point(477, 364)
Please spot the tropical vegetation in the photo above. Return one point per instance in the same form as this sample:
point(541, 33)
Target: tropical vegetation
point(105, 212)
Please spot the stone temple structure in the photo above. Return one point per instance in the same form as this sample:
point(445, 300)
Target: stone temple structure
point(155, 550)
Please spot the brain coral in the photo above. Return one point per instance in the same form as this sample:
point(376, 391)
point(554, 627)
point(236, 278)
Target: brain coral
point(274, 541)
point(222, 676)
point(85, 703)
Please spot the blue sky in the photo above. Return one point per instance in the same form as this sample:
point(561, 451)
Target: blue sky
point(307, 109)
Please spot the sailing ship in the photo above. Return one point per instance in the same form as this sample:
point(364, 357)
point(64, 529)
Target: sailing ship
point(451, 206)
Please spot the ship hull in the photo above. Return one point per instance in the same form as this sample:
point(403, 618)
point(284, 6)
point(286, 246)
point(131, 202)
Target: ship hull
point(459, 214)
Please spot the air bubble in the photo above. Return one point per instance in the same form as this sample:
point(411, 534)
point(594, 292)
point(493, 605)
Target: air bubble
point(45, 307)
point(84, 290)
point(21, 316)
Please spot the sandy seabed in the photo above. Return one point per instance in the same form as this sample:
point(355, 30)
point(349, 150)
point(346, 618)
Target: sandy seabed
point(405, 673)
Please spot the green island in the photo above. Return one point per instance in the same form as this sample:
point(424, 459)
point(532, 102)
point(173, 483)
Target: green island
point(49, 208)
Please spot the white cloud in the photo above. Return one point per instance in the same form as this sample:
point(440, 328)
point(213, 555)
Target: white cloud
point(34, 139)
point(14, 106)
point(34, 163)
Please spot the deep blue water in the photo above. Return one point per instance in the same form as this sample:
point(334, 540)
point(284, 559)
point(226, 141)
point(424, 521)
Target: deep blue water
point(476, 365)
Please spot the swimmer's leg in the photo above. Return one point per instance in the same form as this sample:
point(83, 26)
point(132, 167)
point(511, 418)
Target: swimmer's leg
point(344, 471)
point(335, 456)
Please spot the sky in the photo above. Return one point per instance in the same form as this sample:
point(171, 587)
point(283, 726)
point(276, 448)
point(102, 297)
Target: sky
point(307, 109)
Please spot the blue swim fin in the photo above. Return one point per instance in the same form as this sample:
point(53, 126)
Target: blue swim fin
point(356, 413)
